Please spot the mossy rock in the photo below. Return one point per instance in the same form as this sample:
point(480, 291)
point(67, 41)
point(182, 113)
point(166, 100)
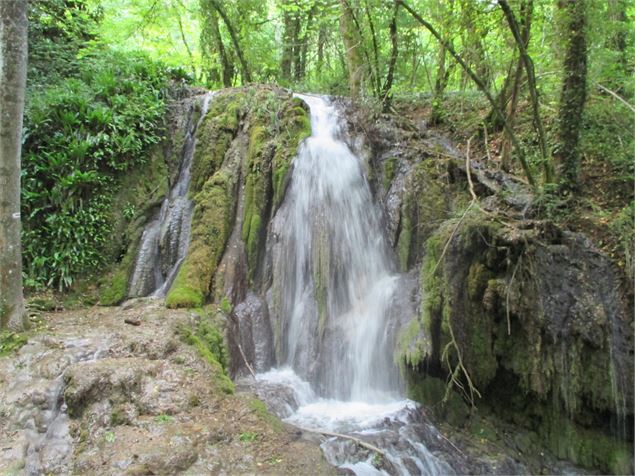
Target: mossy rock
point(211, 227)
point(207, 339)
point(426, 204)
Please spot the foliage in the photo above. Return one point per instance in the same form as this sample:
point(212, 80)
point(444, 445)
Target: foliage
point(11, 342)
point(58, 30)
point(80, 134)
point(248, 436)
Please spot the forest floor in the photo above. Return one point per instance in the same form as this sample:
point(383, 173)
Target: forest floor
point(91, 394)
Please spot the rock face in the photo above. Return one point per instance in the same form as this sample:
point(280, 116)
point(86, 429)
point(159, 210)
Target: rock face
point(91, 395)
point(526, 321)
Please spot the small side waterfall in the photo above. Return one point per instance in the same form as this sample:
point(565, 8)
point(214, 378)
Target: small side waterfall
point(333, 287)
point(166, 238)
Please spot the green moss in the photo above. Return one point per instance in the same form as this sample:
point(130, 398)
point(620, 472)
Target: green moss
point(209, 343)
point(225, 305)
point(296, 126)
point(412, 345)
point(430, 392)
point(405, 239)
point(588, 448)
point(211, 227)
point(257, 192)
point(390, 169)
point(425, 205)
point(114, 293)
point(214, 137)
point(11, 342)
point(260, 409)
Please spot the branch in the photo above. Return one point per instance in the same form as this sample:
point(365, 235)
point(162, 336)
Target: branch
point(481, 86)
point(617, 96)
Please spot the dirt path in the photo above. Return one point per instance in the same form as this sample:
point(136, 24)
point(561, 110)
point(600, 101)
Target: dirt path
point(90, 394)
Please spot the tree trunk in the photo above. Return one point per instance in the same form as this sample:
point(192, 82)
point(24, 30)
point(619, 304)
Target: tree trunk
point(245, 72)
point(300, 68)
point(573, 94)
point(320, 50)
point(373, 35)
point(522, 40)
point(211, 40)
point(288, 35)
point(443, 69)
point(13, 57)
point(352, 44)
point(386, 93)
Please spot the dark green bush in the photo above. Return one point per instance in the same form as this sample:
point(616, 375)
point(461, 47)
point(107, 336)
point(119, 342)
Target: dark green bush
point(81, 133)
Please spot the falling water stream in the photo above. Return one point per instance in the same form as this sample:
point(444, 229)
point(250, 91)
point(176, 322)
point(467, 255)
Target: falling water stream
point(165, 240)
point(333, 289)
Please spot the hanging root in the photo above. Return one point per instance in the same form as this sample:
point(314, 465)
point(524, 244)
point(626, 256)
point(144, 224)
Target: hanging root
point(453, 377)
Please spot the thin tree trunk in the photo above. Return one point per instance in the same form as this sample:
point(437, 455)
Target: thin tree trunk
point(511, 115)
point(352, 44)
point(320, 50)
point(300, 72)
point(184, 40)
point(371, 24)
point(13, 58)
point(287, 47)
point(245, 72)
point(443, 72)
point(573, 94)
point(211, 40)
point(386, 93)
point(533, 92)
point(481, 86)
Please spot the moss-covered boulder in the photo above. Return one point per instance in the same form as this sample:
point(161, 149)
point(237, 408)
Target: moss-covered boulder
point(527, 321)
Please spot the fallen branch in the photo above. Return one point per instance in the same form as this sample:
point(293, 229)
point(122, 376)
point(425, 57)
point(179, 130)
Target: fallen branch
point(355, 440)
point(249, 367)
point(474, 199)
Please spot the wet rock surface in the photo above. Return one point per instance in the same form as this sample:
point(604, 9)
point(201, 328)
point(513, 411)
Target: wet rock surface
point(91, 395)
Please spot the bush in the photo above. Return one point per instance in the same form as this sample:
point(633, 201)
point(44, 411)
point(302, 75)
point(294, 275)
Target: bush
point(81, 134)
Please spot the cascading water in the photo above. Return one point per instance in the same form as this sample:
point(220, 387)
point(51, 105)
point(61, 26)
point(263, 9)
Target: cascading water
point(166, 238)
point(332, 290)
point(334, 280)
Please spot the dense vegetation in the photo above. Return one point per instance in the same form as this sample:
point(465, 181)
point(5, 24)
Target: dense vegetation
point(92, 114)
point(100, 72)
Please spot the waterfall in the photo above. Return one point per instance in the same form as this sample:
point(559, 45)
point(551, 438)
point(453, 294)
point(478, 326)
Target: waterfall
point(334, 275)
point(166, 238)
point(333, 286)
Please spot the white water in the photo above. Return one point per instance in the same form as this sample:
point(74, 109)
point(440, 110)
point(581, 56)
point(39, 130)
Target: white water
point(332, 291)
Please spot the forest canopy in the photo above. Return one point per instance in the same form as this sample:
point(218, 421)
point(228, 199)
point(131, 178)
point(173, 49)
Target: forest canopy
point(545, 85)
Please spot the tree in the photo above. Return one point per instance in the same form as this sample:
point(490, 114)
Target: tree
point(353, 44)
point(218, 7)
point(574, 91)
point(13, 59)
